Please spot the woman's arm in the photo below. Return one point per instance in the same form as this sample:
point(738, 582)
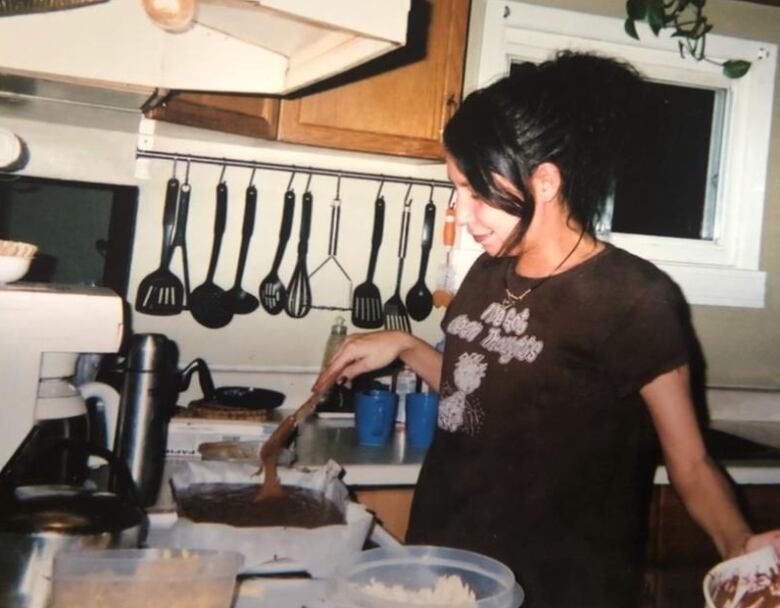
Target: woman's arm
point(361, 353)
point(702, 487)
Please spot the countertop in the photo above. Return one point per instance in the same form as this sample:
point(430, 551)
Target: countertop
point(748, 450)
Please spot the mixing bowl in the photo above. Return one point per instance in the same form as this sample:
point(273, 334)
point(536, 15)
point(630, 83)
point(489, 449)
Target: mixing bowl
point(412, 570)
point(746, 575)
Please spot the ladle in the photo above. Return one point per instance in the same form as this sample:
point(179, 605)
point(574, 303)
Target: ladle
point(237, 300)
point(205, 301)
point(419, 300)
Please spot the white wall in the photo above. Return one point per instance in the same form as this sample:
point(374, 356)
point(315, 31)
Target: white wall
point(255, 346)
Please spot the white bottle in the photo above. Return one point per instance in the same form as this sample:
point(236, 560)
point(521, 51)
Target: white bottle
point(405, 382)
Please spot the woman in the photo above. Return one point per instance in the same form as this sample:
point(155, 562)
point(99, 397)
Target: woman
point(561, 354)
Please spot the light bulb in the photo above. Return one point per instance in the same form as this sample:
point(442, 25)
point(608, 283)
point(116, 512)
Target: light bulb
point(171, 15)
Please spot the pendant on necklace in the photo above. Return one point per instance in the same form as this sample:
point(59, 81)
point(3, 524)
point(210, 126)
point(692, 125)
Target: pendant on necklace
point(511, 299)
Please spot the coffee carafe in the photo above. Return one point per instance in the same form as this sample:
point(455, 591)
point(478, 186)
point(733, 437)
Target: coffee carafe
point(61, 412)
point(149, 391)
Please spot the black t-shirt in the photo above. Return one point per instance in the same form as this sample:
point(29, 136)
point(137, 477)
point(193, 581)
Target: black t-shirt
point(544, 451)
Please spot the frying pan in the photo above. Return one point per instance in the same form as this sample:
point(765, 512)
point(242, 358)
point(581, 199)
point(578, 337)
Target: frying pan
point(242, 397)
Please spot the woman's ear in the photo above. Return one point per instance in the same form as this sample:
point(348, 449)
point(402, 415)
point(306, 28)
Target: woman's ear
point(546, 183)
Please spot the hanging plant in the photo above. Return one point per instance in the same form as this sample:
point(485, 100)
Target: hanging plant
point(688, 24)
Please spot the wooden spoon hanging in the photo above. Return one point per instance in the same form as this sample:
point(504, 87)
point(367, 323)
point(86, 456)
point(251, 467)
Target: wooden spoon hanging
point(269, 453)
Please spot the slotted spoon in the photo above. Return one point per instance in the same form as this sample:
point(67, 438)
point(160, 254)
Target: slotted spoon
point(396, 316)
point(366, 299)
point(272, 292)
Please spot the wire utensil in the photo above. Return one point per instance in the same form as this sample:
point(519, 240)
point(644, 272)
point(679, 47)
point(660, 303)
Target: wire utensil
point(330, 279)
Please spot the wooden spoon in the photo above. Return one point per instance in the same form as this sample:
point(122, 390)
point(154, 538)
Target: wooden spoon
point(269, 453)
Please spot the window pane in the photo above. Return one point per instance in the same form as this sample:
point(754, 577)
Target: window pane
point(668, 188)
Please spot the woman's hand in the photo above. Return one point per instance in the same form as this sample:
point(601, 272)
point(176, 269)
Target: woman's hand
point(361, 353)
point(757, 541)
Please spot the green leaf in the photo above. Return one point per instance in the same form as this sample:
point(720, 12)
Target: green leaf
point(735, 68)
point(655, 15)
point(630, 28)
point(699, 3)
point(636, 9)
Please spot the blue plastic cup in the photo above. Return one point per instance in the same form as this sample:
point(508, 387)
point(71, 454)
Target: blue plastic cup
point(375, 416)
point(422, 411)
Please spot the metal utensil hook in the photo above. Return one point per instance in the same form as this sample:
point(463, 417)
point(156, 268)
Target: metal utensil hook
point(430, 196)
point(252, 177)
point(175, 160)
point(222, 173)
point(289, 184)
point(187, 172)
point(308, 181)
point(453, 198)
point(407, 200)
point(381, 184)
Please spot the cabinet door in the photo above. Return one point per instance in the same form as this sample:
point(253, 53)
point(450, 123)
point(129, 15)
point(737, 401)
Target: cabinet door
point(680, 553)
point(251, 115)
point(390, 505)
point(397, 104)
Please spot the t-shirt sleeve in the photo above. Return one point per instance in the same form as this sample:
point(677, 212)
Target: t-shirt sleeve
point(652, 336)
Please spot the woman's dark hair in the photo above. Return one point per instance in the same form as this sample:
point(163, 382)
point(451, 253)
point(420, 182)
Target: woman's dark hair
point(572, 111)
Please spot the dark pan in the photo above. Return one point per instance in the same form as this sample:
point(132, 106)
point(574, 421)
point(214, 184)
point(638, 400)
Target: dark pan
point(248, 398)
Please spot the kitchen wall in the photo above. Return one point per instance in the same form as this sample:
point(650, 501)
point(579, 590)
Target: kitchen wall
point(742, 346)
point(258, 349)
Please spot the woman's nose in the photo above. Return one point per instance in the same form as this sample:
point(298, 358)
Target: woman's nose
point(463, 211)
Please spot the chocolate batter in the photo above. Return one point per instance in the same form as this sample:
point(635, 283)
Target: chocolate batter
point(236, 504)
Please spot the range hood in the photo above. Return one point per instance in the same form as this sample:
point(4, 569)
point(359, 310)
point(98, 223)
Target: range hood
point(241, 46)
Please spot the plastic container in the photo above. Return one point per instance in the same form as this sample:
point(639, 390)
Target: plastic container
point(145, 578)
point(748, 573)
point(419, 567)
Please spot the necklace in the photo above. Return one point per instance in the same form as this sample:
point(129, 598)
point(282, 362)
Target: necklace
point(511, 298)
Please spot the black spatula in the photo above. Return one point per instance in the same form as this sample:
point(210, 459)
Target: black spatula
point(366, 299)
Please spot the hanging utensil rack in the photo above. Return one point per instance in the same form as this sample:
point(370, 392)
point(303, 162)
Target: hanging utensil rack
point(251, 164)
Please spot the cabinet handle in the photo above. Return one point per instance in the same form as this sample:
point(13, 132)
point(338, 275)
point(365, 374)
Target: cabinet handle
point(450, 107)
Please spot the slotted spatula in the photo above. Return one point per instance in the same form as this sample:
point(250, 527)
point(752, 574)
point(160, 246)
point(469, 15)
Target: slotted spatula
point(161, 292)
point(366, 299)
point(396, 316)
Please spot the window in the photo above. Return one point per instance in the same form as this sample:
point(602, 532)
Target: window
point(701, 222)
point(84, 231)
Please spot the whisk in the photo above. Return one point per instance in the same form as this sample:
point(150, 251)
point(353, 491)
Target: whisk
point(330, 279)
point(298, 303)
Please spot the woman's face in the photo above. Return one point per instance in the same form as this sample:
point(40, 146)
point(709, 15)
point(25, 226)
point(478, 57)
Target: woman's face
point(489, 226)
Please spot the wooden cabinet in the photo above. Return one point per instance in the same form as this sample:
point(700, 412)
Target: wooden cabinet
point(391, 505)
point(397, 104)
point(680, 553)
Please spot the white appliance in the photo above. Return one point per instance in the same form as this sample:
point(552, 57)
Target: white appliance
point(39, 318)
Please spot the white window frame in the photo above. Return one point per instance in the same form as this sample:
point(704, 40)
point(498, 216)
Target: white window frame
point(723, 271)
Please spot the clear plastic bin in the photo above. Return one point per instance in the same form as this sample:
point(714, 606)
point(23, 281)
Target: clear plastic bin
point(145, 578)
point(417, 568)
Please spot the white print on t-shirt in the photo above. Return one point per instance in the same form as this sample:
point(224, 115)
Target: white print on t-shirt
point(468, 374)
point(504, 335)
point(501, 330)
